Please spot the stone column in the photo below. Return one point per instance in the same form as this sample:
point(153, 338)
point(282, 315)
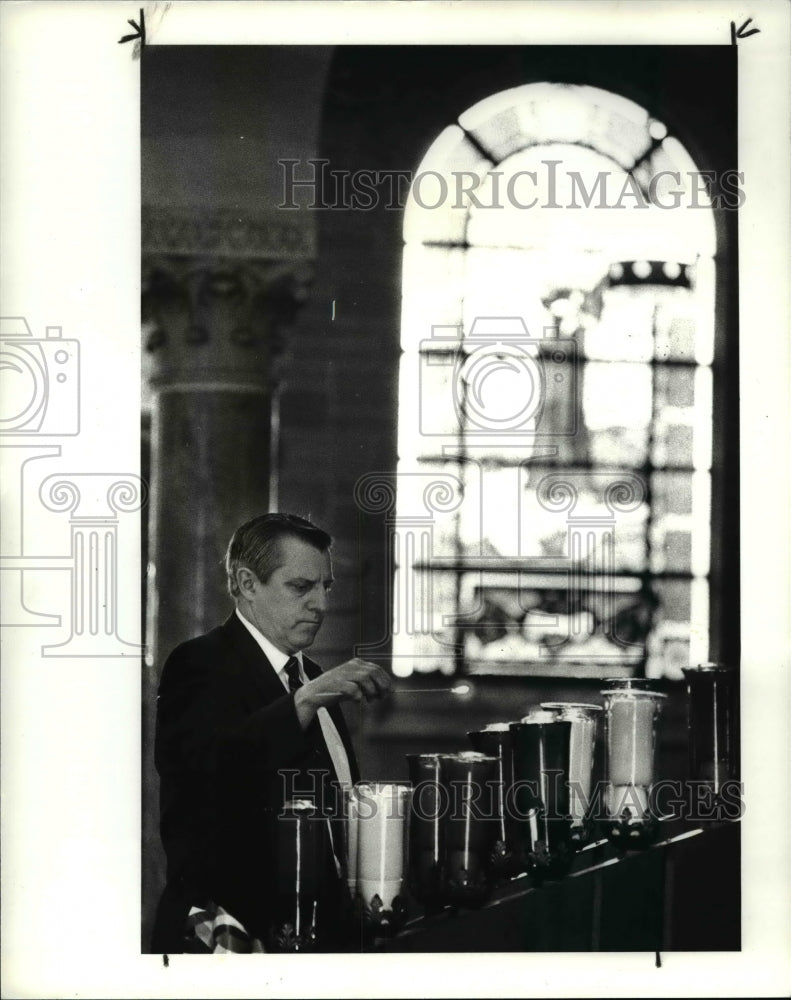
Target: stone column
point(216, 329)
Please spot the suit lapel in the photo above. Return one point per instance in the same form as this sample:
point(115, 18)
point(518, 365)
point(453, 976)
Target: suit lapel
point(249, 655)
point(254, 664)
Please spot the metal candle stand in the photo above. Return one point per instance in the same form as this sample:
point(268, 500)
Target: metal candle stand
point(470, 779)
point(541, 746)
point(582, 749)
point(298, 922)
point(712, 725)
point(494, 740)
point(426, 831)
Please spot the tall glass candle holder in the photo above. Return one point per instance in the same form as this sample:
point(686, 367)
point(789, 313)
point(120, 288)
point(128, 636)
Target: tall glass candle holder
point(298, 922)
point(494, 740)
point(381, 810)
point(470, 830)
point(350, 839)
point(631, 719)
point(542, 743)
point(428, 814)
point(582, 747)
point(712, 690)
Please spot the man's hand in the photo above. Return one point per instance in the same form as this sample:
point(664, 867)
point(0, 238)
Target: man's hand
point(355, 680)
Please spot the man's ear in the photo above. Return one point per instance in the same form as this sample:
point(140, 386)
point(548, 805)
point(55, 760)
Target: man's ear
point(246, 581)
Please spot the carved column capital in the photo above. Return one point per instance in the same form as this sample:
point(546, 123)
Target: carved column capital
point(228, 233)
point(220, 321)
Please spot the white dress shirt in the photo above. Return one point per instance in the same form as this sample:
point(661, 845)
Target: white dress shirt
point(332, 738)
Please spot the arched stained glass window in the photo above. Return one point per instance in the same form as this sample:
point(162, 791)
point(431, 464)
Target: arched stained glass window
point(554, 495)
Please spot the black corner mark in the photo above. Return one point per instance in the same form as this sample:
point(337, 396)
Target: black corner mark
point(140, 30)
point(737, 32)
point(165, 961)
point(657, 960)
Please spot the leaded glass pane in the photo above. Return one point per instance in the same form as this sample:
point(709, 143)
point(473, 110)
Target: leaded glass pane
point(703, 416)
point(533, 619)
point(674, 601)
point(671, 494)
point(669, 655)
point(682, 428)
point(625, 330)
point(517, 118)
point(675, 386)
point(680, 634)
point(433, 291)
point(595, 519)
point(422, 639)
point(616, 395)
point(671, 548)
point(428, 421)
point(674, 186)
point(701, 524)
point(624, 447)
point(438, 204)
point(675, 329)
point(440, 417)
point(429, 495)
point(498, 125)
point(506, 282)
point(672, 444)
point(703, 310)
point(489, 518)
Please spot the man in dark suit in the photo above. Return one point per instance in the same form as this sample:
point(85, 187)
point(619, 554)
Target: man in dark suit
point(245, 721)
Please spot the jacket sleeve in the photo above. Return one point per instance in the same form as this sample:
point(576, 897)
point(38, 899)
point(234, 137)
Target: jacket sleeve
point(205, 717)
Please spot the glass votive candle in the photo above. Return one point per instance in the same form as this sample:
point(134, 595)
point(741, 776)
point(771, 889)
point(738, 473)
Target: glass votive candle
point(494, 740)
point(541, 744)
point(470, 830)
point(301, 845)
point(712, 690)
point(381, 809)
point(582, 747)
point(631, 717)
point(428, 813)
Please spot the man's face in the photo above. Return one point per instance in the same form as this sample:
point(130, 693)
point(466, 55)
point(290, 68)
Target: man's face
point(290, 607)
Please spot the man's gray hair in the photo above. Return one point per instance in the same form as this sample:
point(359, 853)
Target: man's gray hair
point(256, 545)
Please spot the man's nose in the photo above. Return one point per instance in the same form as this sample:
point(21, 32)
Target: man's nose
point(319, 600)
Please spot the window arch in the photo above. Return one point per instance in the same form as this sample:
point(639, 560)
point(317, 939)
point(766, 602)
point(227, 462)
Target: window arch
point(555, 398)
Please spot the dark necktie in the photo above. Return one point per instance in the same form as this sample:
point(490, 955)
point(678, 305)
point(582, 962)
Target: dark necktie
point(292, 672)
point(315, 735)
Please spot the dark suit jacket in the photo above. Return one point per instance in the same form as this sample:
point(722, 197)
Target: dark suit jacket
point(225, 729)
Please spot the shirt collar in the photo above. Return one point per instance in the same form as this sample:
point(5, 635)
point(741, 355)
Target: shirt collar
point(276, 656)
